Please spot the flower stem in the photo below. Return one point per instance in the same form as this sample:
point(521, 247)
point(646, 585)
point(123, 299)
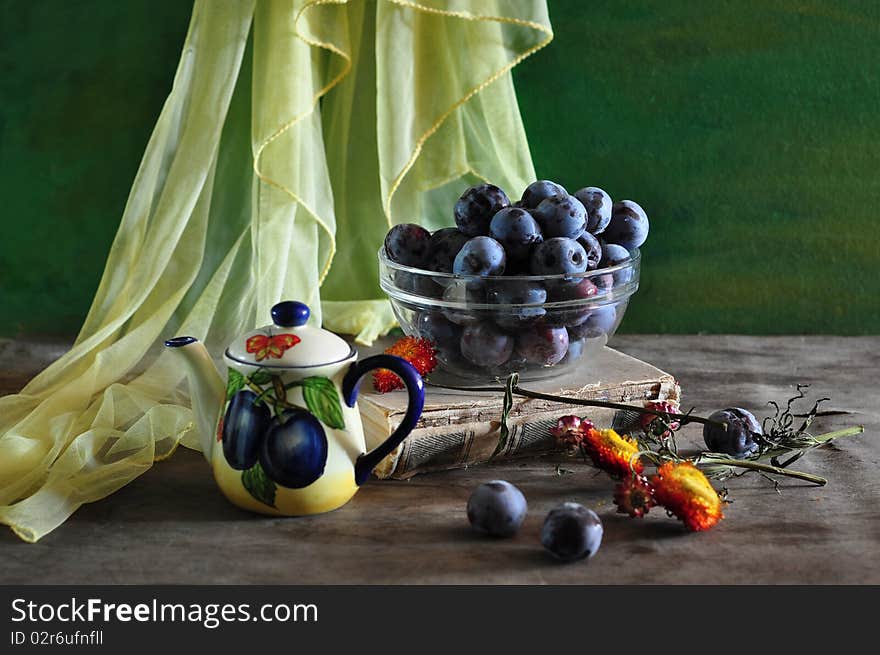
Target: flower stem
point(683, 418)
point(519, 391)
point(845, 432)
point(765, 468)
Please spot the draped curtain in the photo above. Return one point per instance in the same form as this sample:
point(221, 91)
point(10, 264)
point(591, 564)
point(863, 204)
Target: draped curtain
point(294, 135)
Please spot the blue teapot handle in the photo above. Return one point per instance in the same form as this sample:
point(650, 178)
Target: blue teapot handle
point(415, 388)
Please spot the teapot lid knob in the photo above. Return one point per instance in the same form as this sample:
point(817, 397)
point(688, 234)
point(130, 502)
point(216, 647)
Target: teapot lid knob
point(290, 313)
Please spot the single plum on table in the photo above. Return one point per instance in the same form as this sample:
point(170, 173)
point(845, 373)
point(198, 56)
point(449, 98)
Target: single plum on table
point(496, 508)
point(739, 438)
point(572, 532)
point(475, 208)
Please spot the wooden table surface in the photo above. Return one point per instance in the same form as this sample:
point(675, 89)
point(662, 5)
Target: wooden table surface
point(172, 526)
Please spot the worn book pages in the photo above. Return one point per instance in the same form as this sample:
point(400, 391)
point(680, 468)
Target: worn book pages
point(459, 428)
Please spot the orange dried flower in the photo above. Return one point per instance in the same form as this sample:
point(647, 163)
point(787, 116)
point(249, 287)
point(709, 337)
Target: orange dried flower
point(418, 352)
point(683, 490)
point(634, 496)
point(611, 452)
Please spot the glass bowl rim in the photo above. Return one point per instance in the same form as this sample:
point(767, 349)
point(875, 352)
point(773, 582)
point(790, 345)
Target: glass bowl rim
point(634, 261)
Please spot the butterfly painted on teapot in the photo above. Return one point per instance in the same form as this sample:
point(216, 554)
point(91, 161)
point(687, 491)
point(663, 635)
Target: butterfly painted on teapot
point(282, 433)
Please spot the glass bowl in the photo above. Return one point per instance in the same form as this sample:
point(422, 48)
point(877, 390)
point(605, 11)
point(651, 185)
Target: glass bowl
point(484, 328)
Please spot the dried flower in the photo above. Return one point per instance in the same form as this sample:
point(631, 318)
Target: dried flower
point(611, 452)
point(654, 425)
point(418, 352)
point(634, 495)
point(570, 431)
point(684, 491)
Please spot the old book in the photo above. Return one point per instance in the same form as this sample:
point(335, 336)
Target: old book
point(458, 429)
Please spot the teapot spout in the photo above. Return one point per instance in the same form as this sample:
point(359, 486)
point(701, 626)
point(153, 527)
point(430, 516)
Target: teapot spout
point(206, 386)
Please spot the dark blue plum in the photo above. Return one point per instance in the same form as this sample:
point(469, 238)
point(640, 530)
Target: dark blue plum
point(740, 437)
point(575, 349)
point(558, 256)
point(542, 345)
point(598, 205)
point(442, 249)
point(294, 451)
point(593, 249)
point(600, 322)
point(407, 244)
point(496, 508)
point(516, 292)
point(485, 345)
point(417, 283)
point(516, 231)
point(463, 295)
point(612, 255)
point(628, 226)
point(561, 216)
point(480, 256)
point(576, 293)
point(440, 331)
point(516, 363)
point(244, 426)
point(539, 191)
point(476, 207)
point(571, 532)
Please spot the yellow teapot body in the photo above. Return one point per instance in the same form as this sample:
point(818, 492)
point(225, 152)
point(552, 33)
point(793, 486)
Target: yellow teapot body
point(283, 434)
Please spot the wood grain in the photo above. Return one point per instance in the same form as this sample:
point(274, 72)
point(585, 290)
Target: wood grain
point(172, 526)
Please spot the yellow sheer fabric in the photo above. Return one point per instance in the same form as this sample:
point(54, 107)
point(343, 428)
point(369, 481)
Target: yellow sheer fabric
point(294, 135)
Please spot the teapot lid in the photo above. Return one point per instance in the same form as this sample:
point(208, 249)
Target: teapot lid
point(289, 342)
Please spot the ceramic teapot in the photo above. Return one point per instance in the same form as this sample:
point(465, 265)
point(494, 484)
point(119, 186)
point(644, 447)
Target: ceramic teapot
point(282, 433)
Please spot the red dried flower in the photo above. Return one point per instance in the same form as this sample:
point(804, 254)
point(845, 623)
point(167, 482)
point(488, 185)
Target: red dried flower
point(650, 423)
point(570, 431)
point(634, 495)
point(611, 452)
point(418, 352)
point(685, 491)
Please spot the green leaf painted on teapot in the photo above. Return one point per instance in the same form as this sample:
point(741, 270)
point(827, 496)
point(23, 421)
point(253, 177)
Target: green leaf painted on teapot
point(322, 400)
point(261, 377)
point(259, 485)
point(234, 383)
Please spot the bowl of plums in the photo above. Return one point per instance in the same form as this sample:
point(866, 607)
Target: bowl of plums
point(534, 286)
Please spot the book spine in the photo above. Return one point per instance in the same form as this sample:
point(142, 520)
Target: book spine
point(458, 446)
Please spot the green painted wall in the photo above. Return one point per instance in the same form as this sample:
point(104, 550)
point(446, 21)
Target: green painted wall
point(748, 130)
